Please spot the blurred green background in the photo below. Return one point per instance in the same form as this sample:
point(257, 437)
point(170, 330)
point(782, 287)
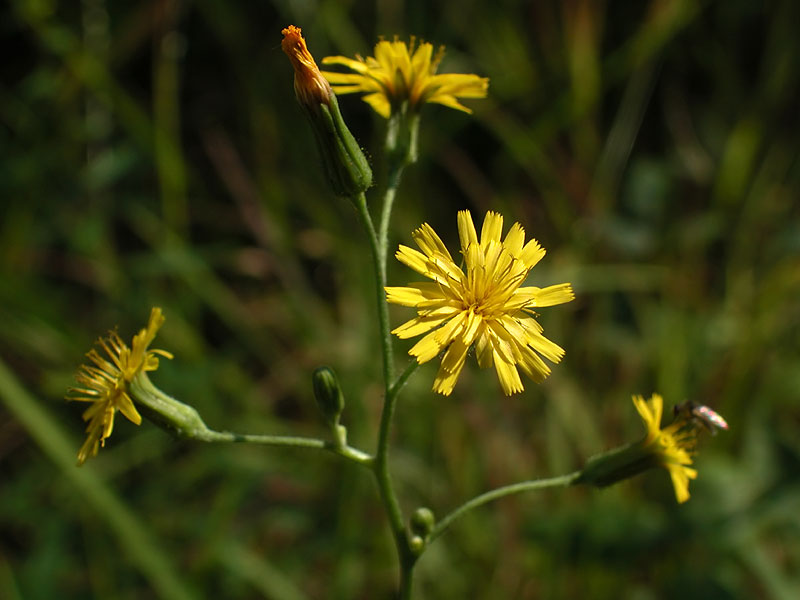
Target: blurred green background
point(152, 154)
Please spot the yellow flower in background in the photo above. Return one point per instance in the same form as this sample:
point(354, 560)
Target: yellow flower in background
point(400, 73)
point(672, 446)
point(485, 305)
point(106, 382)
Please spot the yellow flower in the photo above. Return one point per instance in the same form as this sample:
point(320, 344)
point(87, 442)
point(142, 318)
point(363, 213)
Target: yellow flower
point(399, 73)
point(485, 305)
point(672, 447)
point(106, 382)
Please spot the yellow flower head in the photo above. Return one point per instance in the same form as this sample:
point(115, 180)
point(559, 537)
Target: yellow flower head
point(400, 73)
point(310, 86)
point(484, 305)
point(106, 382)
point(673, 446)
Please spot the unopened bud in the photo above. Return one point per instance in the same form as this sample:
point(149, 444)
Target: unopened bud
point(416, 544)
point(345, 165)
point(422, 522)
point(328, 395)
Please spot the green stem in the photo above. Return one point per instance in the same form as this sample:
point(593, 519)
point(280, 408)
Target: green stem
point(385, 487)
point(400, 382)
point(379, 245)
point(381, 466)
point(184, 421)
point(379, 266)
point(392, 183)
point(406, 578)
point(501, 492)
point(348, 452)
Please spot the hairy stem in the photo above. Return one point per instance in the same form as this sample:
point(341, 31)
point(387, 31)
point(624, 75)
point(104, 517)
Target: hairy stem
point(379, 267)
point(380, 467)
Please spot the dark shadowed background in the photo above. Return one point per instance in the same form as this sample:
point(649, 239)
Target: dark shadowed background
point(152, 154)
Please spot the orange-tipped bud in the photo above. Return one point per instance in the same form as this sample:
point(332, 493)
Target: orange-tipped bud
point(309, 84)
point(345, 165)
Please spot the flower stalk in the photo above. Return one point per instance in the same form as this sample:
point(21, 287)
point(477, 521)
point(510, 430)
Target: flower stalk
point(185, 422)
point(496, 494)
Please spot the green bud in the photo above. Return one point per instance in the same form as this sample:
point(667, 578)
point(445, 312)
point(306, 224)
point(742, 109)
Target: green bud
point(416, 544)
point(328, 395)
point(345, 165)
point(422, 522)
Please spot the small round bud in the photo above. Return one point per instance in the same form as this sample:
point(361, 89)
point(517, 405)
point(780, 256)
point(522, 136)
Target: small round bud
point(328, 395)
point(422, 521)
point(416, 544)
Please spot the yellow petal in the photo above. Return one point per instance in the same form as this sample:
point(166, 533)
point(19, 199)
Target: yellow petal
point(429, 242)
point(453, 360)
point(347, 89)
point(418, 326)
point(680, 481)
point(547, 348)
point(492, 253)
point(508, 375)
point(650, 412)
point(483, 348)
point(501, 342)
point(407, 296)
point(127, 408)
point(492, 228)
point(474, 258)
point(89, 449)
point(413, 259)
point(533, 366)
point(379, 103)
point(466, 230)
point(421, 61)
point(449, 102)
point(385, 56)
point(555, 294)
point(463, 85)
point(532, 253)
point(356, 65)
point(360, 82)
point(444, 270)
point(473, 325)
point(452, 329)
point(515, 238)
point(445, 380)
point(426, 348)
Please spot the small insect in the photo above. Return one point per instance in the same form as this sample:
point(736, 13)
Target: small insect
point(708, 418)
